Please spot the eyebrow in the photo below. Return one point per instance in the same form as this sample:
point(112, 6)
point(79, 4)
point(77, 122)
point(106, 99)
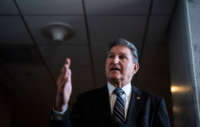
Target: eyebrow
point(121, 53)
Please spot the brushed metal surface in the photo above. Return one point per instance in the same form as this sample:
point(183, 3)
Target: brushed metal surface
point(181, 70)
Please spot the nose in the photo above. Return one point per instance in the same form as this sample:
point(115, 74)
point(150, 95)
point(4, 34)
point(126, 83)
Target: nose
point(116, 59)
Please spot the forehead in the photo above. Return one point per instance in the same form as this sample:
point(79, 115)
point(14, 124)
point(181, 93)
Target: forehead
point(120, 49)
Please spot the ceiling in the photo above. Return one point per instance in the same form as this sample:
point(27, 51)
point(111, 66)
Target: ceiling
point(30, 63)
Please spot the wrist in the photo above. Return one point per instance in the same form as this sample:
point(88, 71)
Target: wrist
point(61, 108)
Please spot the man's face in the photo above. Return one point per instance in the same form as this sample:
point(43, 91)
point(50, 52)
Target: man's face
point(119, 66)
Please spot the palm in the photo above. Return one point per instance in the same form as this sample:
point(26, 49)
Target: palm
point(64, 86)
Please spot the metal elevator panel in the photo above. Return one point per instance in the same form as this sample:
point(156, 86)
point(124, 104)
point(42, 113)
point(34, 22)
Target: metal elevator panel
point(181, 70)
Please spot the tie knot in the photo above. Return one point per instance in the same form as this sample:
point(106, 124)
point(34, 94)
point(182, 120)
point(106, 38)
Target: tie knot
point(118, 92)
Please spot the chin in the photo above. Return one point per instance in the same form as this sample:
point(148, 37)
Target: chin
point(117, 77)
point(115, 80)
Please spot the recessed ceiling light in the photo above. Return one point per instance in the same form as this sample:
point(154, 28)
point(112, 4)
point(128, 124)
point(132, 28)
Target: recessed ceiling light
point(58, 32)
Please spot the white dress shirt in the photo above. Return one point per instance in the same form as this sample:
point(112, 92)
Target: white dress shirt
point(126, 96)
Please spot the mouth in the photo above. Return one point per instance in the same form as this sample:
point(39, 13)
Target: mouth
point(115, 69)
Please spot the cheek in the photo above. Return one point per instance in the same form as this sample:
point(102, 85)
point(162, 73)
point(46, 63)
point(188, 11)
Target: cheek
point(129, 70)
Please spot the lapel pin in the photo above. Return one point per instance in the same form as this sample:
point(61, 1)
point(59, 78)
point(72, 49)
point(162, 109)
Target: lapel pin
point(138, 98)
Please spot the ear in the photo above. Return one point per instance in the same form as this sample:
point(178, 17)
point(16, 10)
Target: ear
point(136, 68)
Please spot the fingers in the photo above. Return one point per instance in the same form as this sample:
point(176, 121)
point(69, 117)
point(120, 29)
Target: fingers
point(67, 70)
point(65, 75)
point(62, 84)
point(67, 63)
point(63, 80)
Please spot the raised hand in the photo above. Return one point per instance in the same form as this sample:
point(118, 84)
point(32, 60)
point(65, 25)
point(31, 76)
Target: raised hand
point(64, 86)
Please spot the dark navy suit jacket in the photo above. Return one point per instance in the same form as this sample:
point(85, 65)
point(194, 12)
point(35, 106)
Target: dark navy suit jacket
point(92, 109)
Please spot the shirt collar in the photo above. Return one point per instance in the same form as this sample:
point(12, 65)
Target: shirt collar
point(126, 88)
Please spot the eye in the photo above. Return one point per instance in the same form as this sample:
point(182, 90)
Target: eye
point(110, 56)
point(122, 56)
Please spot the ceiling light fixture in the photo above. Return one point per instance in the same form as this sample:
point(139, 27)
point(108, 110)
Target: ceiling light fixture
point(58, 32)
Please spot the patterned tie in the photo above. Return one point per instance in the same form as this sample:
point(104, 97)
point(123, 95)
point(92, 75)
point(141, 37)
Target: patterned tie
point(118, 110)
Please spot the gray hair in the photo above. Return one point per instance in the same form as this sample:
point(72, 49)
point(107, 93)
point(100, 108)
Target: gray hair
point(124, 42)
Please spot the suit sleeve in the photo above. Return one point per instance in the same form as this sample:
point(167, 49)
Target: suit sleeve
point(70, 118)
point(161, 118)
point(63, 121)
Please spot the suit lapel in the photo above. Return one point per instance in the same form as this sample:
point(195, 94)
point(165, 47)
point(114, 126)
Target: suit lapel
point(107, 103)
point(104, 107)
point(135, 105)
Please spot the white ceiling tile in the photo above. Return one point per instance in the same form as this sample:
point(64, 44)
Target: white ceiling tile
point(104, 29)
point(157, 31)
point(13, 31)
point(163, 7)
point(117, 7)
point(7, 7)
point(51, 7)
point(35, 23)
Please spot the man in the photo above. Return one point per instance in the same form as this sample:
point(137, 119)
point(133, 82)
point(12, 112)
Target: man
point(116, 104)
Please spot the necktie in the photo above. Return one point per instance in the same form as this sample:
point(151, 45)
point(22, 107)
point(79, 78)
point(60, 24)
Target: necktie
point(118, 110)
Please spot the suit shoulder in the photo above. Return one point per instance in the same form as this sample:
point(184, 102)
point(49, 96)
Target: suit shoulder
point(94, 93)
point(149, 95)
